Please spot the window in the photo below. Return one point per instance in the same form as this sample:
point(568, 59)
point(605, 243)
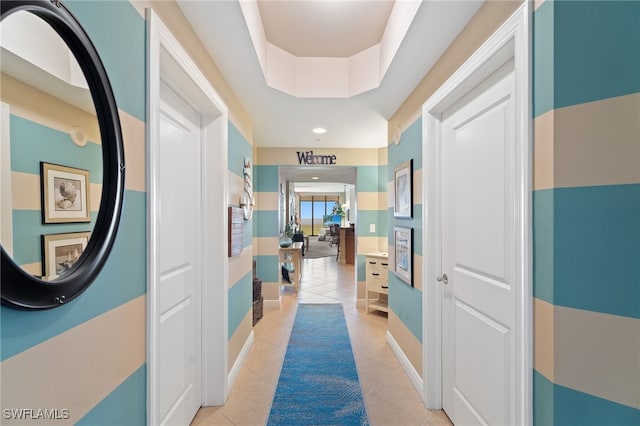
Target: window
point(313, 209)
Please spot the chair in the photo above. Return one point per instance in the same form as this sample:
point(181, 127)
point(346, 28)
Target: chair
point(299, 238)
point(334, 231)
point(334, 234)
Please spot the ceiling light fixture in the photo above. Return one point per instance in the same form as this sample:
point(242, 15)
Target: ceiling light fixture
point(319, 130)
point(315, 178)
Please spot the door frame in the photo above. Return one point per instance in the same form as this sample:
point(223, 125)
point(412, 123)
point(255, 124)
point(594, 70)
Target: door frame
point(168, 61)
point(511, 40)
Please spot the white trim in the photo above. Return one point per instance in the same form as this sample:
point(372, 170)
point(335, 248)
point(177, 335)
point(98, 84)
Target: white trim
point(406, 365)
point(167, 60)
point(6, 202)
point(242, 357)
point(512, 39)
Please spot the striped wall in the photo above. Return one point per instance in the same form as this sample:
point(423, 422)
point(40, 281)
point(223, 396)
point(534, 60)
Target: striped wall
point(240, 280)
point(586, 213)
point(405, 302)
point(89, 357)
point(371, 196)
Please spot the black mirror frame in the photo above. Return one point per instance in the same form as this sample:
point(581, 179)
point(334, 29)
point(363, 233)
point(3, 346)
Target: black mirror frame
point(19, 289)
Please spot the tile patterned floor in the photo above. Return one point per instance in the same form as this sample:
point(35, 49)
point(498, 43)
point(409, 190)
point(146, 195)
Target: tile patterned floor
point(390, 397)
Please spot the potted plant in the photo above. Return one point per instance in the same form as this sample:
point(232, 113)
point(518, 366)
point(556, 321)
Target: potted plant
point(338, 211)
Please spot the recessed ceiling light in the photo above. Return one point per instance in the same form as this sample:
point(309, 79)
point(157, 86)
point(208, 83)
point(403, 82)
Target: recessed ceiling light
point(319, 130)
point(315, 178)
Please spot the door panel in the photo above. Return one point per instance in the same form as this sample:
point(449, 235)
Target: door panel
point(478, 229)
point(179, 263)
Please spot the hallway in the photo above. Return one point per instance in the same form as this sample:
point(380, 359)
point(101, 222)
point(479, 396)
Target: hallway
point(390, 397)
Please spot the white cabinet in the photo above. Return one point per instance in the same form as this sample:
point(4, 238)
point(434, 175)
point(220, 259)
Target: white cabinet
point(377, 282)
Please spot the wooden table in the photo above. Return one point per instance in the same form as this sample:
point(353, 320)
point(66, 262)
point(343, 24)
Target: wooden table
point(293, 255)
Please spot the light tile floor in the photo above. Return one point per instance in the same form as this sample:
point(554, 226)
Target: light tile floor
point(390, 397)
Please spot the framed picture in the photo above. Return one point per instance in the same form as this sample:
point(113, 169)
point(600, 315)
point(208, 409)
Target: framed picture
point(65, 194)
point(402, 178)
point(61, 251)
point(403, 253)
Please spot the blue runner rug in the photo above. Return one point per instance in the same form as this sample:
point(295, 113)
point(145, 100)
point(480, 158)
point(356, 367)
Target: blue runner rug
point(318, 383)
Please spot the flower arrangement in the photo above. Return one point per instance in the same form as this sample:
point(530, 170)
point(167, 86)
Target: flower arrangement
point(337, 210)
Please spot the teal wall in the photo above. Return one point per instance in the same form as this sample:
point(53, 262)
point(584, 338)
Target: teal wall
point(406, 301)
point(240, 292)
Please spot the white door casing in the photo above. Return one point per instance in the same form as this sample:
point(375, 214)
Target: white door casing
point(168, 62)
point(511, 42)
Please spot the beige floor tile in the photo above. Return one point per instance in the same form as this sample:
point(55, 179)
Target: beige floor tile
point(390, 397)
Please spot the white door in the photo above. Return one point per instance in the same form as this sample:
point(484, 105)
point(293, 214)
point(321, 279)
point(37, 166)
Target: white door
point(478, 253)
point(179, 264)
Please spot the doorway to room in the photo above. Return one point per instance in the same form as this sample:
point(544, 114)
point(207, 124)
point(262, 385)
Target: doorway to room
point(319, 202)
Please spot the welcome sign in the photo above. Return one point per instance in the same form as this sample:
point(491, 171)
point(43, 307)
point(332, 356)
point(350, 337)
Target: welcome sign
point(309, 158)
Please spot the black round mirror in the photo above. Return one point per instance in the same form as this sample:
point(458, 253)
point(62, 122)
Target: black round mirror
point(20, 288)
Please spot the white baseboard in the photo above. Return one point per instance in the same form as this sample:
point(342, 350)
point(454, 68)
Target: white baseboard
point(361, 303)
point(242, 356)
point(414, 377)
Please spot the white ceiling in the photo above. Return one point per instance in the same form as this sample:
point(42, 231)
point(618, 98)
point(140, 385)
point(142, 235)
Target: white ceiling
point(324, 28)
point(328, 28)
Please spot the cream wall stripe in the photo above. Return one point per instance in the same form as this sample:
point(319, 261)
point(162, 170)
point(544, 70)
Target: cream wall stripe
point(383, 155)
point(113, 348)
point(28, 197)
point(581, 156)
point(417, 271)
point(391, 193)
point(95, 194)
point(383, 201)
point(345, 157)
point(543, 338)
point(368, 244)
point(368, 200)
point(240, 265)
point(383, 244)
point(266, 200)
point(32, 268)
point(543, 151)
point(236, 187)
point(267, 246)
point(598, 354)
point(411, 347)
point(237, 341)
point(417, 187)
point(133, 134)
point(271, 291)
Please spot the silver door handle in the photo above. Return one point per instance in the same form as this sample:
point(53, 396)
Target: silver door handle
point(443, 279)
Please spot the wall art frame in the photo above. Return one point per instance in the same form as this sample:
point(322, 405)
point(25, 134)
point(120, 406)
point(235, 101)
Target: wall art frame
point(60, 252)
point(403, 190)
point(65, 194)
point(403, 253)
